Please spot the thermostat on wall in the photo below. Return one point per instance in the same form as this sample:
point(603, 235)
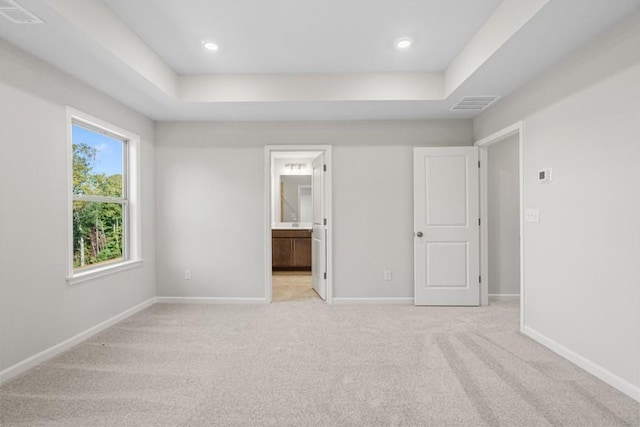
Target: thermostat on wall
point(544, 175)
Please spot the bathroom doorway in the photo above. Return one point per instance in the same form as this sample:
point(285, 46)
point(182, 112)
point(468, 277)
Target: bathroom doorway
point(298, 226)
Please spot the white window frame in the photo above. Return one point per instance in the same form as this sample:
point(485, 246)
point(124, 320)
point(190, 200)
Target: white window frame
point(131, 193)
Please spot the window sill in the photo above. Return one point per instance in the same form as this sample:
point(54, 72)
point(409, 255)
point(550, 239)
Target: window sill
point(107, 270)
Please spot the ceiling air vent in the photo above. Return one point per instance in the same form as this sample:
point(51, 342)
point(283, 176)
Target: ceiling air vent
point(17, 14)
point(474, 103)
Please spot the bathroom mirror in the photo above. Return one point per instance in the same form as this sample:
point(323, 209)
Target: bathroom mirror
point(295, 198)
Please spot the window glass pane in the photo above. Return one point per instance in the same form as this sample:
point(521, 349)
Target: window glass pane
point(97, 233)
point(97, 163)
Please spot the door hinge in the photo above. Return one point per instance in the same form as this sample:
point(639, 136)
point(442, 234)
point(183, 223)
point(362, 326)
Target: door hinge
point(324, 168)
point(479, 279)
point(325, 221)
point(478, 221)
point(325, 275)
point(478, 163)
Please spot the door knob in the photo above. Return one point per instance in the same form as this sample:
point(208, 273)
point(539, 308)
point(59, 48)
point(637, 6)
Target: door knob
point(419, 234)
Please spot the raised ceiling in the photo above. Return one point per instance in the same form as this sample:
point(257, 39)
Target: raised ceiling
point(308, 60)
point(304, 36)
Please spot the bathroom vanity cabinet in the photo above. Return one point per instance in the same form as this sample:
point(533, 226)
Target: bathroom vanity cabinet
point(291, 249)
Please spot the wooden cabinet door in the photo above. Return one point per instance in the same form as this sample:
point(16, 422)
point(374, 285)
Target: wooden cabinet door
point(302, 252)
point(282, 252)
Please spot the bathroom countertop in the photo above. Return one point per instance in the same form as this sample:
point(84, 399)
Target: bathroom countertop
point(290, 226)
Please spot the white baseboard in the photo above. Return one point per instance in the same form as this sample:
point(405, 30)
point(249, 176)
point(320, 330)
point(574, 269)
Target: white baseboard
point(504, 297)
point(594, 369)
point(396, 300)
point(52, 351)
point(209, 300)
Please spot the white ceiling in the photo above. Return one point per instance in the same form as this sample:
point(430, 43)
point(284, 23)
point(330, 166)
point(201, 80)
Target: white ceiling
point(286, 59)
point(304, 36)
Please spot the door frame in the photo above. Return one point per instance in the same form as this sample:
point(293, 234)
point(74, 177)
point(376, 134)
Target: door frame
point(326, 149)
point(483, 145)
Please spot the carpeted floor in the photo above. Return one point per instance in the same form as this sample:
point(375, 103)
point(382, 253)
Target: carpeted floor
point(292, 286)
point(310, 364)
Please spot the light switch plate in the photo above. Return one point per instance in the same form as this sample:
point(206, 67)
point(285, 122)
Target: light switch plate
point(532, 215)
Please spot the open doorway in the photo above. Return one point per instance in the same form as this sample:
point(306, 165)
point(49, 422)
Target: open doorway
point(298, 233)
point(501, 198)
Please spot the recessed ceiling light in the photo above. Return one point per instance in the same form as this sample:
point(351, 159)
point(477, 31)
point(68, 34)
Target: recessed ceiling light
point(403, 43)
point(210, 46)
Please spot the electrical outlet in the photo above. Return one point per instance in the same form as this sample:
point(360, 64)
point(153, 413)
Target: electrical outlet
point(544, 175)
point(387, 275)
point(187, 275)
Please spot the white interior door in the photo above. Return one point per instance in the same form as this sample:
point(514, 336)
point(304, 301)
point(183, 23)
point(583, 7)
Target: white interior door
point(446, 225)
point(319, 233)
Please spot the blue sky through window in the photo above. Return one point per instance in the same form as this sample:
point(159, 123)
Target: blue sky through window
point(109, 150)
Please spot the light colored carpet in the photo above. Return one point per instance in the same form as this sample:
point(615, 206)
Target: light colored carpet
point(310, 364)
point(292, 286)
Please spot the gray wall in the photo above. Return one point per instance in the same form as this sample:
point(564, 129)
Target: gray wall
point(210, 219)
point(211, 202)
point(503, 199)
point(582, 275)
point(37, 307)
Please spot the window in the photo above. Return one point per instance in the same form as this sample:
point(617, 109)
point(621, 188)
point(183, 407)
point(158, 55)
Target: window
point(103, 226)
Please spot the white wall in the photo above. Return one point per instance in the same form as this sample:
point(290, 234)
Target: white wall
point(203, 226)
point(37, 307)
point(582, 275)
point(503, 199)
